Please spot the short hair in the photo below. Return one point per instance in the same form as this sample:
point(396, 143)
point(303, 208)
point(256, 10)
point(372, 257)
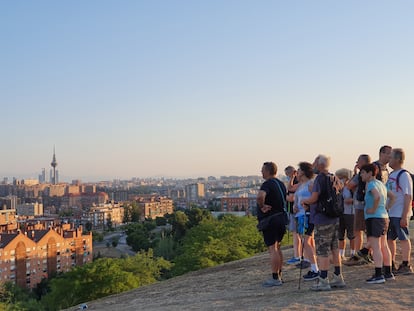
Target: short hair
point(384, 148)
point(370, 167)
point(398, 154)
point(289, 168)
point(271, 167)
point(324, 160)
point(365, 157)
point(307, 169)
point(344, 173)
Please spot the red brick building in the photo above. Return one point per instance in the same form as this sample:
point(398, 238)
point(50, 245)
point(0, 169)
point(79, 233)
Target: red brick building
point(26, 258)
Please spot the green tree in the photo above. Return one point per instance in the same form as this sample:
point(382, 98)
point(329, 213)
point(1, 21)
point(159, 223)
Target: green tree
point(138, 236)
point(103, 277)
point(132, 212)
point(109, 223)
point(215, 241)
point(160, 221)
point(179, 222)
point(88, 226)
point(196, 215)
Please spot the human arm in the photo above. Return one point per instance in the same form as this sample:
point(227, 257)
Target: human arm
point(261, 196)
point(376, 196)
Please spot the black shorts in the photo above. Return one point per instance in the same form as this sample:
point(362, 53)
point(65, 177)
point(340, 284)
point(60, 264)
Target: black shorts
point(346, 224)
point(376, 227)
point(275, 231)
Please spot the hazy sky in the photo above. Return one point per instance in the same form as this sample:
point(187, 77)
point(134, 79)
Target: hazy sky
point(197, 88)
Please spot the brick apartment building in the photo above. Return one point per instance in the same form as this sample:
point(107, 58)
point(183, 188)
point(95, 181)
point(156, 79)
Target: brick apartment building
point(238, 204)
point(28, 257)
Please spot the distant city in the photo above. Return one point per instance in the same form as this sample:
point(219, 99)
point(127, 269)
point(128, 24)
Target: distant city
point(46, 225)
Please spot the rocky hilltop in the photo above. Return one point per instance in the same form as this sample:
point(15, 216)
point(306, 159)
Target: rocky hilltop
point(237, 286)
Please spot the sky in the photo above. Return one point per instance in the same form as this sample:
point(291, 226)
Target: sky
point(184, 88)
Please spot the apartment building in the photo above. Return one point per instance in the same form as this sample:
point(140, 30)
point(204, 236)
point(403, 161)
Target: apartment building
point(99, 215)
point(27, 258)
point(238, 204)
point(154, 206)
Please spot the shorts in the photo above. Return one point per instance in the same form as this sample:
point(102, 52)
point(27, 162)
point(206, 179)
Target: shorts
point(326, 239)
point(395, 231)
point(359, 220)
point(376, 227)
point(346, 224)
point(292, 223)
point(310, 229)
point(301, 224)
point(275, 232)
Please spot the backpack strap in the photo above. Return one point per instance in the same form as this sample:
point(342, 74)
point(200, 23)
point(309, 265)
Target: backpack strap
point(398, 178)
point(281, 194)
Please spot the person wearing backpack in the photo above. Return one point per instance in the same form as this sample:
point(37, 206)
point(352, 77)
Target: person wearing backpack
point(271, 204)
point(400, 183)
point(325, 227)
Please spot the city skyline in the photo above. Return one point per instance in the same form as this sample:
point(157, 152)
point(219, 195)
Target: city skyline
point(191, 89)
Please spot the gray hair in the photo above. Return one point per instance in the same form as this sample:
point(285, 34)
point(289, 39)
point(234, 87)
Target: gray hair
point(324, 160)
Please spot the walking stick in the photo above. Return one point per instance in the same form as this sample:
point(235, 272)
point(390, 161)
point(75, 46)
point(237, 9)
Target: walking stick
point(303, 247)
point(301, 262)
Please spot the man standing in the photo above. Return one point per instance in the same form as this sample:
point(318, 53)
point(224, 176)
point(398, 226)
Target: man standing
point(357, 186)
point(270, 203)
point(400, 183)
point(326, 230)
point(381, 163)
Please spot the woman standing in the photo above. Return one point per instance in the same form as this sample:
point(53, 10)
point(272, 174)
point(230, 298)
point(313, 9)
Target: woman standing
point(303, 227)
point(376, 220)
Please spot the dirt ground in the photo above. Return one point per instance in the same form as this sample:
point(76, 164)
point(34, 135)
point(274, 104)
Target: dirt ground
point(237, 286)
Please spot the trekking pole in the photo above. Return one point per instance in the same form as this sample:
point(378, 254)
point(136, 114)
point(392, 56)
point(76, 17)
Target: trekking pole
point(301, 259)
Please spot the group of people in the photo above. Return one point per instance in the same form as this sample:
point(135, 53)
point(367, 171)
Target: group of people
point(376, 203)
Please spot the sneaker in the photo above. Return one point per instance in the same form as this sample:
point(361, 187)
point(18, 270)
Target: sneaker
point(355, 261)
point(389, 277)
point(293, 261)
point(367, 257)
point(303, 264)
point(404, 270)
point(376, 279)
point(311, 276)
point(321, 285)
point(272, 282)
point(337, 281)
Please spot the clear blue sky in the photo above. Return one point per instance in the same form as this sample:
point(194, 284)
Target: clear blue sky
point(198, 88)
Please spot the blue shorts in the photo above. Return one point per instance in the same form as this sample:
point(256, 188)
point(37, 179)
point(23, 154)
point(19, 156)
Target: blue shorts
point(395, 231)
point(302, 223)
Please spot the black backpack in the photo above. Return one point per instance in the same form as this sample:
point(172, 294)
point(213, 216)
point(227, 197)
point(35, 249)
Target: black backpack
point(331, 201)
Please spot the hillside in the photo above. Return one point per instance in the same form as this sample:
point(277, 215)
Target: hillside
point(237, 286)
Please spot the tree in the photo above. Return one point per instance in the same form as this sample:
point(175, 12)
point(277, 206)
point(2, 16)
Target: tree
point(196, 215)
point(109, 224)
point(179, 224)
point(138, 236)
point(103, 277)
point(88, 226)
point(216, 241)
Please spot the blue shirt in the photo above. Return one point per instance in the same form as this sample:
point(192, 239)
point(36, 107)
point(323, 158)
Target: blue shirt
point(381, 211)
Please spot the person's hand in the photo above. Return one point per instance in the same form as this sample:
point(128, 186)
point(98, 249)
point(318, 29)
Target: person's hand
point(265, 208)
point(403, 222)
point(295, 209)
